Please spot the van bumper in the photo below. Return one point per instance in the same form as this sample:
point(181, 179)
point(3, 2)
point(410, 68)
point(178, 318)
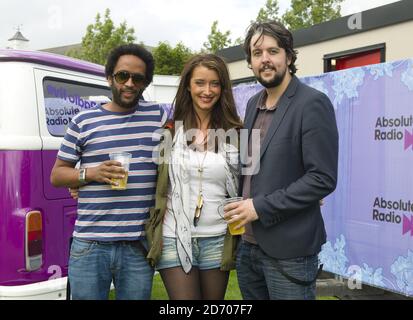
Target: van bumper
point(46, 290)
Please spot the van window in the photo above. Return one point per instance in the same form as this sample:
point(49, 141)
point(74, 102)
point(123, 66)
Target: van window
point(65, 99)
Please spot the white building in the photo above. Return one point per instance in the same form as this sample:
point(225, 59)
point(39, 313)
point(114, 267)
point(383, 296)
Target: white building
point(162, 89)
point(373, 36)
point(18, 41)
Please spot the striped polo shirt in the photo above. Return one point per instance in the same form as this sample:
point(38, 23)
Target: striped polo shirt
point(105, 214)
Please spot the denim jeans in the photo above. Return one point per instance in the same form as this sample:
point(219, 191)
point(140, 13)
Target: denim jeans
point(260, 279)
point(94, 265)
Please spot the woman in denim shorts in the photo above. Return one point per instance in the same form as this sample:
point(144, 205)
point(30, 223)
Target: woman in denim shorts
point(203, 170)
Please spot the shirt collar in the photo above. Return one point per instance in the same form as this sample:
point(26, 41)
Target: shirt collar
point(261, 102)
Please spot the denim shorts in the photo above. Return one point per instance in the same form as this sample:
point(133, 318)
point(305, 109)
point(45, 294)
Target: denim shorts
point(206, 253)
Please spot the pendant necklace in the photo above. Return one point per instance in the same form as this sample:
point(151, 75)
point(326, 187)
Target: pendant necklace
point(200, 199)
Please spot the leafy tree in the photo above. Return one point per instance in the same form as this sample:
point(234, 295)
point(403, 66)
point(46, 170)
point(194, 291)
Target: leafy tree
point(306, 13)
point(238, 41)
point(169, 60)
point(217, 40)
point(101, 38)
point(269, 12)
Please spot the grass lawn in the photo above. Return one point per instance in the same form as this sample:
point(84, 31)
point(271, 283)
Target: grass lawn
point(159, 291)
point(233, 293)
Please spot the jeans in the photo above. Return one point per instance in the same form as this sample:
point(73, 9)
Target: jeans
point(260, 279)
point(94, 265)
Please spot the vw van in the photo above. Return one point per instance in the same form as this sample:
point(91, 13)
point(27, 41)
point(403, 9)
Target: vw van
point(39, 94)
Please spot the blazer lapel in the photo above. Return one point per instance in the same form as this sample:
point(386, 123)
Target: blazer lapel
point(251, 115)
point(282, 108)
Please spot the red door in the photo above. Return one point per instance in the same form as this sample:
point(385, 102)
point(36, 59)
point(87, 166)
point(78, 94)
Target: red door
point(358, 60)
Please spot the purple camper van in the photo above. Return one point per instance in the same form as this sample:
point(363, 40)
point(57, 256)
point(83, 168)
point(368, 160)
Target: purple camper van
point(39, 94)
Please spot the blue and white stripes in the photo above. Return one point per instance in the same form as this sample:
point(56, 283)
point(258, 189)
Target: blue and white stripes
point(105, 214)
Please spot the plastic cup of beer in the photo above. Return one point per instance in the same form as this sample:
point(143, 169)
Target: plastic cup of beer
point(231, 226)
point(124, 159)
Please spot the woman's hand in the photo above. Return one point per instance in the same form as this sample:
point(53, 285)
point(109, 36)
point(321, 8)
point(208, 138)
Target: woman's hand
point(74, 192)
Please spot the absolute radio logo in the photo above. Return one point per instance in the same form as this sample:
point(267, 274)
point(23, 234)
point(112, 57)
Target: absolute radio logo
point(395, 129)
point(408, 225)
point(408, 139)
point(396, 212)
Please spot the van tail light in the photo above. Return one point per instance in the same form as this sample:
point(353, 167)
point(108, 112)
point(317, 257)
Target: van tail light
point(34, 241)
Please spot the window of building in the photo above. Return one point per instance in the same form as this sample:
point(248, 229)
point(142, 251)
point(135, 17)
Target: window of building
point(355, 58)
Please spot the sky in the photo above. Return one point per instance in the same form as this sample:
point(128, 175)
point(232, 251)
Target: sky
point(53, 23)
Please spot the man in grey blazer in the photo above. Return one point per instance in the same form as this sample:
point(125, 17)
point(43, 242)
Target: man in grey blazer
point(278, 257)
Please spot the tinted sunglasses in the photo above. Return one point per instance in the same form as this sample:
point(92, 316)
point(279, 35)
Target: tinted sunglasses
point(122, 77)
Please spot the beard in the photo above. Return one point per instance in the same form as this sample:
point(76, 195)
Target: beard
point(275, 81)
point(117, 98)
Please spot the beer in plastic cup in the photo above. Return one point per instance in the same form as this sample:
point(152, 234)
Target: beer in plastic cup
point(124, 159)
point(232, 225)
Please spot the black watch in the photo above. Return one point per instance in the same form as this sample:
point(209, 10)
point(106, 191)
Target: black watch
point(82, 176)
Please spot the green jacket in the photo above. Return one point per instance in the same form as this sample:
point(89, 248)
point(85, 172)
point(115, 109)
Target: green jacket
point(154, 225)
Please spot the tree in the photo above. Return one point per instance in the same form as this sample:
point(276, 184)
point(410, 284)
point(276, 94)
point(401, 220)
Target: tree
point(170, 61)
point(306, 13)
point(101, 38)
point(217, 40)
point(269, 12)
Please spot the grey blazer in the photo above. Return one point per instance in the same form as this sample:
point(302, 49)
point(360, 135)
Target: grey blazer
point(298, 167)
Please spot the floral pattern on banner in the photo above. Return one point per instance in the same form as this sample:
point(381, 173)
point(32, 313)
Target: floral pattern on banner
point(242, 93)
point(407, 76)
point(381, 70)
point(402, 269)
point(371, 276)
point(335, 260)
point(318, 85)
point(334, 257)
point(347, 83)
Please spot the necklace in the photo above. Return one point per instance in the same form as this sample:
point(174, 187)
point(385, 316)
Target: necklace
point(200, 199)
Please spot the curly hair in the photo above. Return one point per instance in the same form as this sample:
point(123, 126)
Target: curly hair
point(135, 50)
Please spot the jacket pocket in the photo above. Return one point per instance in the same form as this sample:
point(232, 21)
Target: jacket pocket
point(153, 229)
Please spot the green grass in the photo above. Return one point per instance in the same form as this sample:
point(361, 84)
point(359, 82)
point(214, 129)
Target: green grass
point(233, 292)
point(159, 291)
point(327, 298)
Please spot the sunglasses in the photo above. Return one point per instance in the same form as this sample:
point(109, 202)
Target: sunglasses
point(122, 77)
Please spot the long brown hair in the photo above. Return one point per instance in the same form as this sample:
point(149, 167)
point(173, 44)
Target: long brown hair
point(224, 113)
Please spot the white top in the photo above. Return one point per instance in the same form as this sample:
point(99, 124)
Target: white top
point(213, 189)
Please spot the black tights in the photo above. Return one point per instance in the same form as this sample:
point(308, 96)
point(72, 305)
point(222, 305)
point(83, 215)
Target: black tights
point(196, 285)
